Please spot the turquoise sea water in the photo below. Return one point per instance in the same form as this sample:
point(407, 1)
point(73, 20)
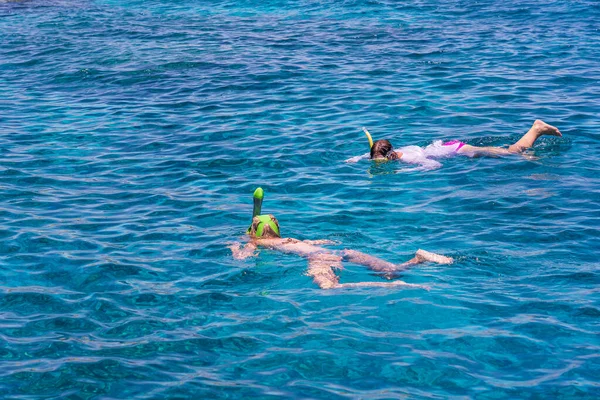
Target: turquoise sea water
point(134, 132)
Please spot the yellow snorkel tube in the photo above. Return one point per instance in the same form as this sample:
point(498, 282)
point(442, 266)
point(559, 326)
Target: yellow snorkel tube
point(368, 136)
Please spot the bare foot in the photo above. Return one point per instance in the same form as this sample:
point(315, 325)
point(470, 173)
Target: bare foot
point(543, 128)
point(423, 255)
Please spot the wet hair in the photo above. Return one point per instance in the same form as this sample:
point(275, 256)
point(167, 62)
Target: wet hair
point(383, 149)
point(267, 232)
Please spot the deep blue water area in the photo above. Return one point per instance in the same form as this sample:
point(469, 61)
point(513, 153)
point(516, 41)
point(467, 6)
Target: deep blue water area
point(133, 133)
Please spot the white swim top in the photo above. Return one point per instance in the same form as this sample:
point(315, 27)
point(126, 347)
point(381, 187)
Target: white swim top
point(423, 157)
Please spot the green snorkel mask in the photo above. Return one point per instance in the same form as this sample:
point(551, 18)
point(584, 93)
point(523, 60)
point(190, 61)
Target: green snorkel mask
point(264, 219)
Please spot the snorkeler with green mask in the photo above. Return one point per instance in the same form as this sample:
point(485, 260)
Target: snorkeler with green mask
point(264, 232)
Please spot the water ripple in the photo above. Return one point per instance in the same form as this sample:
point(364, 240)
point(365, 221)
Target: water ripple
point(134, 133)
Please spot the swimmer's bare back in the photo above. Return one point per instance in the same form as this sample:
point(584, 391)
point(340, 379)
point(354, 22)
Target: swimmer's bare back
point(323, 261)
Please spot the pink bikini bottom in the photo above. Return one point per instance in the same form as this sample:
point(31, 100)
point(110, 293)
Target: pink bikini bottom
point(453, 142)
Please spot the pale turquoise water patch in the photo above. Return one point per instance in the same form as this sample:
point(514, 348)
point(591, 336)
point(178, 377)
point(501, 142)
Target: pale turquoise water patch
point(133, 135)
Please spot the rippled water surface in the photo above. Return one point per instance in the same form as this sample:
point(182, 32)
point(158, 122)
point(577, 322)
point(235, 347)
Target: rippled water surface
point(134, 132)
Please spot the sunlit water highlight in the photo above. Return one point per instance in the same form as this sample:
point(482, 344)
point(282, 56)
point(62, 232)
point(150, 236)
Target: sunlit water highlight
point(133, 134)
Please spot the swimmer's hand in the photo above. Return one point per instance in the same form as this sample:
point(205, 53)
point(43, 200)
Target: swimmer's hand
point(321, 241)
point(240, 253)
point(358, 158)
point(529, 157)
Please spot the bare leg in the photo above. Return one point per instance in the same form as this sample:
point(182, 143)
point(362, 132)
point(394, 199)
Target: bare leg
point(320, 267)
point(489, 151)
point(391, 270)
point(373, 263)
point(539, 128)
point(380, 284)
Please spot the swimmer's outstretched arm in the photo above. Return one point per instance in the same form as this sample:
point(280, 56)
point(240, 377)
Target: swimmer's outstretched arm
point(239, 252)
point(358, 158)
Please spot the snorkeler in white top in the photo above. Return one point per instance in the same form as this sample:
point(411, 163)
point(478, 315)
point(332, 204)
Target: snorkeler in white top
point(264, 232)
point(383, 149)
